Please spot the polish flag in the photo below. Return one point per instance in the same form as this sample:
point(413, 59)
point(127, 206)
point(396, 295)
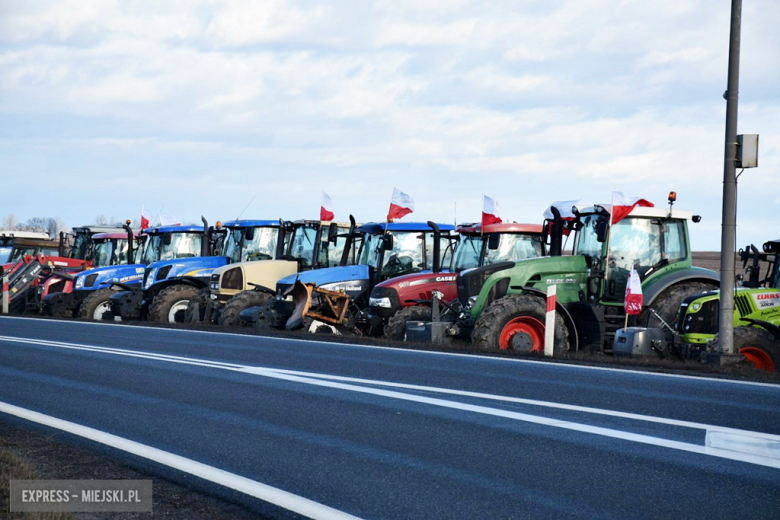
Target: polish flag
point(564, 207)
point(634, 299)
point(490, 211)
point(326, 208)
point(401, 204)
point(146, 219)
point(622, 205)
point(169, 220)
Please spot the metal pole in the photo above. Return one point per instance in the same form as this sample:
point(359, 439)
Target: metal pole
point(5, 295)
point(728, 237)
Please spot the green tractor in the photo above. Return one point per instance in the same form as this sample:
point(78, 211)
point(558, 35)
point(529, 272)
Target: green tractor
point(505, 304)
point(756, 314)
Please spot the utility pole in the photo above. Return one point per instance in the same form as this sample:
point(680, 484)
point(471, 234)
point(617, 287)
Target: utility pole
point(728, 236)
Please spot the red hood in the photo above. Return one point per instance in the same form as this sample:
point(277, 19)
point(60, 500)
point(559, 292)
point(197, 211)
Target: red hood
point(419, 286)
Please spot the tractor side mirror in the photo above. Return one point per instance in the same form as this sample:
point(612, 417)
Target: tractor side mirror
point(494, 239)
point(602, 229)
point(249, 234)
point(166, 239)
point(387, 242)
point(333, 233)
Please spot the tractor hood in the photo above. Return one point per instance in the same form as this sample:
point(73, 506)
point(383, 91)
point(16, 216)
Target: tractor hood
point(195, 267)
point(418, 286)
point(99, 277)
point(241, 276)
point(353, 279)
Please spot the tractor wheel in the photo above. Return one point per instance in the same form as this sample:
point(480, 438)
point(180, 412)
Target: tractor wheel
point(396, 325)
point(516, 324)
point(243, 300)
point(170, 304)
point(260, 321)
point(667, 305)
point(759, 347)
point(97, 306)
point(201, 298)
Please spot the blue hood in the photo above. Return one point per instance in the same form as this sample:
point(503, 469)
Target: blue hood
point(197, 267)
point(128, 274)
point(328, 275)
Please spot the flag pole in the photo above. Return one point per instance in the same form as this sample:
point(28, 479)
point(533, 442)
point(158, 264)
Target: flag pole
point(158, 215)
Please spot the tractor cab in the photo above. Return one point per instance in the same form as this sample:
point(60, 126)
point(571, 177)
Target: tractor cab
point(79, 242)
point(114, 248)
point(495, 243)
point(14, 245)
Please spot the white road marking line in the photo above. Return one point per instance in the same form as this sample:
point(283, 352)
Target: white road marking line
point(281, 498)
point(423, 352)
point(743, 443)
point(569, 425)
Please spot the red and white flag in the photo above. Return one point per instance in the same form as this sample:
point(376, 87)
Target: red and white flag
point(490, 211)
point(634, 299)
point(146, 218)
point(622, 205)
point(169, 220)
point(401, 204)
point(564, 207)
point(326, 208)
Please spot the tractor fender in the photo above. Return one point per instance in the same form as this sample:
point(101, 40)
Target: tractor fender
point(692, 274)
point(567, 319)
point(769, 327)
point(262, 288)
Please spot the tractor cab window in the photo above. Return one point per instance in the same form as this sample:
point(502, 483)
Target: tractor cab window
point(469, 252)
point(776, 282)
point(103, 252)
point(302, 244)
point(81, 246)
point(183, 245)
point(587, 243)
point(406, 255)
point(674, 241)
point(444, 247)
point(20, 253)
point(262, 246)
point(120, 252)
point(371, 250)
point(5, 254)
point(634, 243)
point(512, 247)
point(152, 249)
point(330, 254)
point(232, 248)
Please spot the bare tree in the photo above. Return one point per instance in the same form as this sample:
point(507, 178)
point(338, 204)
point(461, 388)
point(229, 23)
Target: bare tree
point(50, 225)
point(100, 220)
point(9, 222)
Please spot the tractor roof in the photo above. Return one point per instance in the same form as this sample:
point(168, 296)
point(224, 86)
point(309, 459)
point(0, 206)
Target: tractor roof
point(379, 227)
point(101, 236)
point(250, 223)
point(324, 223)
point(174, 229)
point(504, 227)
point(24, 234)
point(662, 212)
point(96, 229)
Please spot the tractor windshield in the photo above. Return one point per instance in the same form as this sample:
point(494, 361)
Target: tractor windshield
point(120, 251)
point(5, 254)
point(302, 244)
point(330, 254)
point(104, 253)
point(262, 246)
point(183, 245)
point(405, 257)
point(81, 246)
point(513, 247)
point(469, 253)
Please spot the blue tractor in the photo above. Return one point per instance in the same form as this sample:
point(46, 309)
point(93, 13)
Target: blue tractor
point(94, 289)
point(170, 285)
point(337, 298)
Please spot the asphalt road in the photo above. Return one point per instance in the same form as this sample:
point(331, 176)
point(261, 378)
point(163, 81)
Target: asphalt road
point(388, 433)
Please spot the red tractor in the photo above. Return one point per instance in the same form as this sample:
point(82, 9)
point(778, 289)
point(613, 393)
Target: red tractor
point(25, 276)
point(408, 298)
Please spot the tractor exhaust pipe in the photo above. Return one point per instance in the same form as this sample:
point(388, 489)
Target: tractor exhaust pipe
point(556, 233)
point(348, 243)
point(130, 239)
point(436, 246)
point(205, 242)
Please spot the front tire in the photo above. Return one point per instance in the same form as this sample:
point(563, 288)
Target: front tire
point(516, 324)
point(667, 305)
point(759, 347)
point(170, 304)
point(201, 299)
point(97, 306)
point(241, 301)
point(395, 328)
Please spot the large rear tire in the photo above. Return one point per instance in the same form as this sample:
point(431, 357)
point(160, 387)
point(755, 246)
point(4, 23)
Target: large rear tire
point(97, 306)
point(667, 304)
point(516, 324)
point(170, 304)
point(241, 301)
point(201, 299)
point(760, 348)
point(396, 326)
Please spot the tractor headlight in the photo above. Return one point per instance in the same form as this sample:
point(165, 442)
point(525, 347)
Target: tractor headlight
point(150, 278)
point(696, 306)
point(380, 302)
point(472, 301)
point(79, 282)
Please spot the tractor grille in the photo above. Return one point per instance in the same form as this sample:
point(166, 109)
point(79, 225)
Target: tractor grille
point(57, 287)
point(742, 303)
point(703, 322)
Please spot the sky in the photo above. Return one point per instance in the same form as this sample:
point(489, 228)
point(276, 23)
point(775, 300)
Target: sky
point(198, 107)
